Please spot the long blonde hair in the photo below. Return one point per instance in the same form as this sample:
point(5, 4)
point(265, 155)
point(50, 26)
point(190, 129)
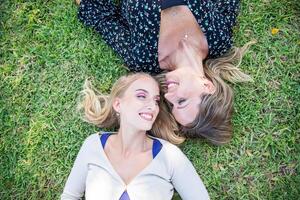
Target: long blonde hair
point(215, 110)
point(97, 109)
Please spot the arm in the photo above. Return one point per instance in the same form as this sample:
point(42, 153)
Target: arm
point(75, 185)
point(105, 18)
point(216, 19)
point(229, 11)
point(185, 178)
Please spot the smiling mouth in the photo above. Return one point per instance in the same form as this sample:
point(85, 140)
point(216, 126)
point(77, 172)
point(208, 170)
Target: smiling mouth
point(146, 116)
point(171, 84)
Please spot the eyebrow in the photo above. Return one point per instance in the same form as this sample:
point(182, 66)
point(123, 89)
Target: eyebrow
point(142, 90)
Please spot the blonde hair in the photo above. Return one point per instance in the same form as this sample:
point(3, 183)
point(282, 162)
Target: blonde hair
point(215, 110)
point(97, 109)
point(227, 66)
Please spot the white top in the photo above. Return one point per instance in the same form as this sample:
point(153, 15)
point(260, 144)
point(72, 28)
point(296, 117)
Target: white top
point(93, 174)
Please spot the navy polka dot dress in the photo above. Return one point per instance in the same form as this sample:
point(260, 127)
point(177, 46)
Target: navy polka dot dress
point(132, 28)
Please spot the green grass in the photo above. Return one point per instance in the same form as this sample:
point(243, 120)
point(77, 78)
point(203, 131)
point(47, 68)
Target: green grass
point(46, 54)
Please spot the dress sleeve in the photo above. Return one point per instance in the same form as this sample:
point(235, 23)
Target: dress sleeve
point(75, 185)
point(229, 11)
point(106, 19)
point(185, 179)
point(216, 19)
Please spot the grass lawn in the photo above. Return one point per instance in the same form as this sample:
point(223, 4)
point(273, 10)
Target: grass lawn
point(46, 54)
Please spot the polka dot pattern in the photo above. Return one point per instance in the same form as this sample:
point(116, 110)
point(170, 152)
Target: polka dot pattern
point(132, 28)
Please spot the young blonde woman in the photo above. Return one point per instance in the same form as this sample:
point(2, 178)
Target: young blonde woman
point(139, 161)
point(187, 38)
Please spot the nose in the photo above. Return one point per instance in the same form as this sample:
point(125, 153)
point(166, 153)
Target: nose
point(151, 105)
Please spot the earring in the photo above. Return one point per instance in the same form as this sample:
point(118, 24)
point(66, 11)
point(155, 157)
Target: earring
point(118, 114)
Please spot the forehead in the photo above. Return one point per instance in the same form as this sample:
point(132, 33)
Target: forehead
point(145, 83)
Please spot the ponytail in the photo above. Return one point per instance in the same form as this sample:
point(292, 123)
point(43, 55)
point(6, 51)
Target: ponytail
point(97, 108)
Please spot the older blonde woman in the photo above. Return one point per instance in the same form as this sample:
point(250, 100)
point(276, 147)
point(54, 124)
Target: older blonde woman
point(139, 161)
point(186, 38)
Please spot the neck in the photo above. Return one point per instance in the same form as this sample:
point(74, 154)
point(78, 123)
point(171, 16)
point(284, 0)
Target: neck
point(193, 63)
point(131, 141)
point(188, 56)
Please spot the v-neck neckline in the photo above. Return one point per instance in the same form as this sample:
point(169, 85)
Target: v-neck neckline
point(116, 174)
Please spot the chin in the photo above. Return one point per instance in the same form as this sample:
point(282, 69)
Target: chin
point(146, 127)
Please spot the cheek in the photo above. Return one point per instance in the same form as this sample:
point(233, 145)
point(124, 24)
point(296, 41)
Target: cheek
point(129, 107)
point(174, 113)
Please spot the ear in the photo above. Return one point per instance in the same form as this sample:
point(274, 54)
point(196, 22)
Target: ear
point(116, 104)
point(209, 86)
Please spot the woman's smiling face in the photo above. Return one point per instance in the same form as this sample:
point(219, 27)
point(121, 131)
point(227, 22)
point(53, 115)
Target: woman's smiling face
point(139, 106)
point(185, 89)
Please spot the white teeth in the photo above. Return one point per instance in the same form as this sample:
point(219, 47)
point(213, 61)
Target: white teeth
point(146, 116)
point(171, 85)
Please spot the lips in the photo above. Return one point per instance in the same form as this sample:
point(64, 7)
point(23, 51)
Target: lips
point(146, 116)
point(171, 84)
